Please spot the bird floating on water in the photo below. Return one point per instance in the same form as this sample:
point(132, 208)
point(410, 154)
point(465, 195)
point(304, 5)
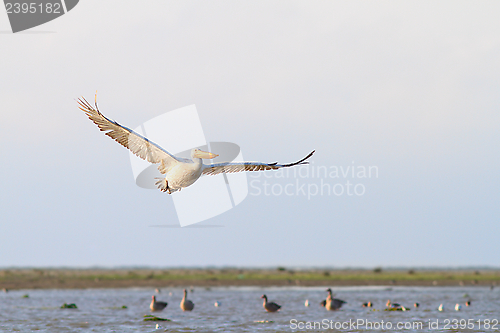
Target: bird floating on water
point(416, 305)
point(441, 307)
point(306, 303)
point(333, 304)
point(458, 307)
point(389, 304)
point(186, 305)
point(367, 305)
point(157, 305)
point(270, 306)
point(179, 172)
point(217, 304)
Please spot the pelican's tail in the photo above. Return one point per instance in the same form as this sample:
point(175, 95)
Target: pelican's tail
point(162, 184)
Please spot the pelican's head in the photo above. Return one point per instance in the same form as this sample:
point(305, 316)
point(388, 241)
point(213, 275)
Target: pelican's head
point(198, 153)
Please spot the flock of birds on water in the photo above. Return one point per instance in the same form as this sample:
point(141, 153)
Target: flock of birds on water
point(330, 304)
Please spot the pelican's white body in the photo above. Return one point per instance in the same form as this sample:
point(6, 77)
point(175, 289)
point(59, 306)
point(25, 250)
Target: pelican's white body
point(184, 174)
point(181, 172)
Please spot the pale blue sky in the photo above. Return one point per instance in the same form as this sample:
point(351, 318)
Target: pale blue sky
point(409, 87)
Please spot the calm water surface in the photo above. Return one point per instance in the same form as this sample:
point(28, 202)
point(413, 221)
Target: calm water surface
point(99, 310)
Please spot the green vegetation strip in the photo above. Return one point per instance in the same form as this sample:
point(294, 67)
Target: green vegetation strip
point(213, 275)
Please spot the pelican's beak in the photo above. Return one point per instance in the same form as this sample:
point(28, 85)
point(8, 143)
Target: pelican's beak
point(205, 154)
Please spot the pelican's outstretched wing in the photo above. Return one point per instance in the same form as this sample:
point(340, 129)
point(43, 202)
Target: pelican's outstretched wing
point(139, 145)
point(215, 169)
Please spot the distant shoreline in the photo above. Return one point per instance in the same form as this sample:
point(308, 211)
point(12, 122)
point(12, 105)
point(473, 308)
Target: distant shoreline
point(13, 279)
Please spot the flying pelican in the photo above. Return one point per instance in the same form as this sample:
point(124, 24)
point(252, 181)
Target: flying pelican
point(179, 172)
point(333, 304)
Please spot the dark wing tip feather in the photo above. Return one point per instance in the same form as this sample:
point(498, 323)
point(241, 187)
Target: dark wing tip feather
point(299, 162)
